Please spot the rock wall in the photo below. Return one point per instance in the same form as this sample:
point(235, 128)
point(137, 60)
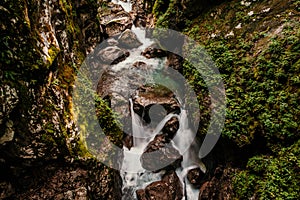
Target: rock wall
point(42, 156)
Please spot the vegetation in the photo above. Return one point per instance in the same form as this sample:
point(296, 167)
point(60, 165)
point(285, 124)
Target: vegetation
point(256, 49)
point(271, 177)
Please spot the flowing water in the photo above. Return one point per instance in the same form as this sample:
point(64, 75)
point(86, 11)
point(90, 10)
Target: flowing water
point(127, 5)
point(134, 176)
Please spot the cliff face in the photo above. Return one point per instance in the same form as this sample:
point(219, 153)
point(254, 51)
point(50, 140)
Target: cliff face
point(42, 156)
point(256, 45)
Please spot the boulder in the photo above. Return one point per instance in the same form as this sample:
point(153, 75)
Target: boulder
point(160, 154)
point(129, 40)
point(147, 96)
point(112, 42)
point(168, 188)
point(128, 141)
point(195, 177)
point(219, 186)
point(175, 61)
point(112, 55)
point(171, 127)
point(140, 65)
point(154, 51)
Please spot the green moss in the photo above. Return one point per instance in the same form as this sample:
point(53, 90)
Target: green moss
point(52, 51)
point(271, 177)
point(109, 122)
point(260, 67)
point(160, 7)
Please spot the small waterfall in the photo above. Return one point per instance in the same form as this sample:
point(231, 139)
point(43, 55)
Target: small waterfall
point(134, 176)
point(138, 131)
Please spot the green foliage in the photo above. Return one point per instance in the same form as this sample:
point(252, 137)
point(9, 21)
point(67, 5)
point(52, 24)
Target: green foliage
point(260, 67)
point(108, 121)
point(167, 14)
point(271, 177)
point(262, 93)
point(160, 7)
point(95, 119)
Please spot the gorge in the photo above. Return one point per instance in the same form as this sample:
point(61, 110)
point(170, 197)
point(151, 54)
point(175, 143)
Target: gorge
point(48, 151)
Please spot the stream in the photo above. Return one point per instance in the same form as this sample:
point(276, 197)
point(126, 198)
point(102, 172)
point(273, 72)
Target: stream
point(134, 176)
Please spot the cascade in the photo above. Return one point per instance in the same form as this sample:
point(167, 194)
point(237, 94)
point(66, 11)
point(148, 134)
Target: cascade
point(134, 176)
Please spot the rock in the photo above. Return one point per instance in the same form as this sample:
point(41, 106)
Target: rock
point(128, 141)
point(171, 127)
point(219, 186)
point(92, 32)
point(112, 42)
point(81, 193)
point(128, 193)
point(8, 100)
point(141, 194)
point(114, 19)
point(195, 177)
point(148, 96)
point(112, 55)
point(43, 42)
point(8, 134)
point(128, 39)
point(168, 188)
point(174, 61)
point(79, 180)
point(141, 65)
point(116, 26)
point(140, 13)
point(140, 21)
point(160, 154)
point(154, 51)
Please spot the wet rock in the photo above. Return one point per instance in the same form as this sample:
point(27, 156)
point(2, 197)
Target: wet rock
point(168, 188)
point(195, 177)
point(112, 55)
point(140, 21)
point(77, 194)
point(147, 96)
point(154, 51)
point(156, 115)
point(128, 193)
point(112, 42)
point(219, 186)
point(140, 65)
point(116, 26)
point(141, 194)
point(128, 141)
point(175, 61)
point(91, 30)
point(8, 101)
point(129, 40)
point(139, 13)
point(171, 127)
point(160, 154)
point(114, 19)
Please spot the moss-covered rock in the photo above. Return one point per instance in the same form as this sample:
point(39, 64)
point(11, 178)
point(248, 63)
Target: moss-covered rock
point(43, 43)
